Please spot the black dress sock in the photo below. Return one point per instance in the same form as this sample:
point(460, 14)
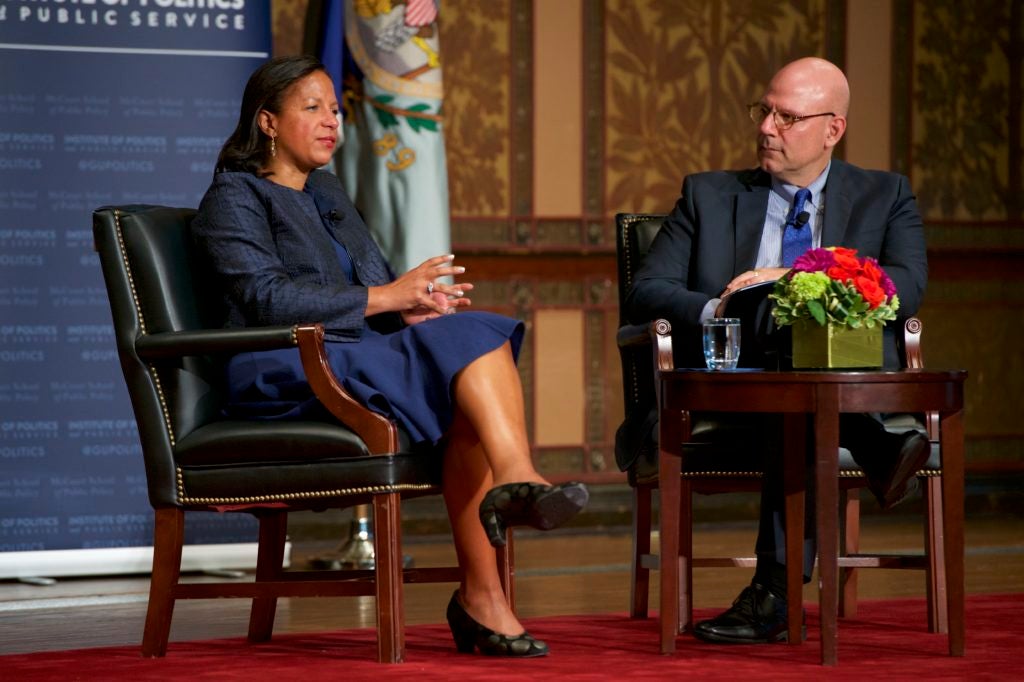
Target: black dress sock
point(772, 575)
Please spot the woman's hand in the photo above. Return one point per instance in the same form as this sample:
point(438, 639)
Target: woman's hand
point(417, 294)
point(417, 315)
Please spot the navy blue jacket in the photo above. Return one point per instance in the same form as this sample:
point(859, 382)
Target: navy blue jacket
point(273, 256)
point(714, 232)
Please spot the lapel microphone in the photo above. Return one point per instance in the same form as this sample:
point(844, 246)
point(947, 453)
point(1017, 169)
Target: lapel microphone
point(800, 221)
point(335, 215)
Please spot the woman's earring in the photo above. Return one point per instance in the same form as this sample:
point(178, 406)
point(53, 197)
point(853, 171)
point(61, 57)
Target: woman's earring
point(273, 147)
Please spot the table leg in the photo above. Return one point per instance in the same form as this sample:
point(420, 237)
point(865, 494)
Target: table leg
point(826, 472)
point(793, 481)
point(951, 439)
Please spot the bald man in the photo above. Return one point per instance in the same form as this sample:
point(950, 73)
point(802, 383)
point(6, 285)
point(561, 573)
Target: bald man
point(728, 231)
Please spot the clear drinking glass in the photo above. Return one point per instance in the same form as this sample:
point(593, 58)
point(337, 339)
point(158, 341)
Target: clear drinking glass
point(722, 342)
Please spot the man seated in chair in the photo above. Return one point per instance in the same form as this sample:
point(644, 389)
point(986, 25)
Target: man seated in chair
point(732, 229)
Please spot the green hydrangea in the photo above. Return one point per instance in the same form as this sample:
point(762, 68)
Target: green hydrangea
point(808, 286)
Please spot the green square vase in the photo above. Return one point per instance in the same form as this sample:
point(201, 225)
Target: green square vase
point(834, 347)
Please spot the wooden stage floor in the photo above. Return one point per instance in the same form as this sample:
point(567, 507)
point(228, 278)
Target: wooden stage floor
point(563, 572)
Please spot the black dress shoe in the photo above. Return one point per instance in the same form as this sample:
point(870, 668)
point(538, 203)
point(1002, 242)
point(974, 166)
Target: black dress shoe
point(529, 504)
point(893, 476)
point(758, 616)
point(469, 635)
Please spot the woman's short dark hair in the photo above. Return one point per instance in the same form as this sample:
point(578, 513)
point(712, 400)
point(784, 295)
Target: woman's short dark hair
point(247, 149)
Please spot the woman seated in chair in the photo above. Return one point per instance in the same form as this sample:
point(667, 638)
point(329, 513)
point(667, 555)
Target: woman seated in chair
point(288, 247)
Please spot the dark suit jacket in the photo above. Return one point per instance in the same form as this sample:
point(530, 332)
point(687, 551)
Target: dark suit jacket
point(714, 232)
point(273, 254)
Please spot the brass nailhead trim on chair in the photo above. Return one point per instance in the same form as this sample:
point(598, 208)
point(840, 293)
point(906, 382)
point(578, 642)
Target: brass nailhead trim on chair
point(163, 403)
point(284, 497)
point(627, 226)
point(142, 322)
point(857, 473)
point(128, 269)
point(845, 473)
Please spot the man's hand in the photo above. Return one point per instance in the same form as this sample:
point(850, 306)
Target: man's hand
point(750, 277)
point(746, 279)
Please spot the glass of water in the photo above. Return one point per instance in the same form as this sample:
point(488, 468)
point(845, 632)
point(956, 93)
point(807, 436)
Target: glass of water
point(722, 342)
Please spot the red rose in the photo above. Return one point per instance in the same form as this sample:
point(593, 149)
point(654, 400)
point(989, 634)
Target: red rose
point(870, 270)
point(841, 274)
point(847, 259)
point(870, 290)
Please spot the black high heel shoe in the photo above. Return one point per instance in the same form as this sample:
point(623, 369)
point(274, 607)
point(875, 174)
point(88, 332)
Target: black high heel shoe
point(469, 634)
point(530, 504)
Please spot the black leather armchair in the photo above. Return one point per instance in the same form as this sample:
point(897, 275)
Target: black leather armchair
point(729, 457)
point(172, 348)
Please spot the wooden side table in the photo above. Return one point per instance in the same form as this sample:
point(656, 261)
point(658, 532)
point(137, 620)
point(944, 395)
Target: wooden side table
point(824, 395)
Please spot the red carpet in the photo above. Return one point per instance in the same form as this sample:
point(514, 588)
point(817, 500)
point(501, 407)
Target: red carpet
point(887, 641)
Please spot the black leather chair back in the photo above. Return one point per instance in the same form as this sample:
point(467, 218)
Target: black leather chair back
point(172, 345)
point(634, 440)
point(634, 233)
point(154, 286)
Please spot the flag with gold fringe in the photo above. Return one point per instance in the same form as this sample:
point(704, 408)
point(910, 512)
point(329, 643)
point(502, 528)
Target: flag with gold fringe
point(392, 163)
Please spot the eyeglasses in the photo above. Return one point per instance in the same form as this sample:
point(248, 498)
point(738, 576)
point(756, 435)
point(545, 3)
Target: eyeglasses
point(783, 120)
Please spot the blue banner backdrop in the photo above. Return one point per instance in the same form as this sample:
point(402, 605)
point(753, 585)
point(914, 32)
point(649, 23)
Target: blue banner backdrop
point(101, 102)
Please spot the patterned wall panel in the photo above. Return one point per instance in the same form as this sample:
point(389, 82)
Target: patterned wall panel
point(476, 49)
point(966, 110)
point(664, 88)
point(957, 96)
point(288, 25)
point(678, 76)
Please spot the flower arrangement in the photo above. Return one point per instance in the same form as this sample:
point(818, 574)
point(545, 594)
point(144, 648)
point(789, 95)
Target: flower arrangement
point(834, 286)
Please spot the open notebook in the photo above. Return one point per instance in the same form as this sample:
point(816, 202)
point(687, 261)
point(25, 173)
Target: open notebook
point(760, 339)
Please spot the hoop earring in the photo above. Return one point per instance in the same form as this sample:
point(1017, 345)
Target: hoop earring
point(273, 147)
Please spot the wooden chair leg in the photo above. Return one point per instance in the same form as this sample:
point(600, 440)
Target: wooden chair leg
point(168, 537)
point(269, 565)
point(387, 531)
point(685, 555)
point(938, 615)
point(850, 501)
point(640, 578)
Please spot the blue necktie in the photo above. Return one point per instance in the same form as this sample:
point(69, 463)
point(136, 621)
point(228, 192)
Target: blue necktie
point(797, 237)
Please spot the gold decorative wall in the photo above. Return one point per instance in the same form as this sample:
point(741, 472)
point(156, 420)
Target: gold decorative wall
point(679, 75)
point(477, 63)
point(958, 96)
point(962, 140)
point(288, 24)
point(663, 84)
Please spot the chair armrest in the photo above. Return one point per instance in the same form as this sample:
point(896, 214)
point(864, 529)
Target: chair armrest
point(657, 334)
point(378, 432)
point(913, 359)
point(633, 335)
point(168, 345)
point(911, 343)
point(660, 332)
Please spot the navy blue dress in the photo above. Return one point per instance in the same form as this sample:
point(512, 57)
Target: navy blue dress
point(404, 374)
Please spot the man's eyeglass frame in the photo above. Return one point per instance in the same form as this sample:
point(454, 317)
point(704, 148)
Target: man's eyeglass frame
point(783, 121)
